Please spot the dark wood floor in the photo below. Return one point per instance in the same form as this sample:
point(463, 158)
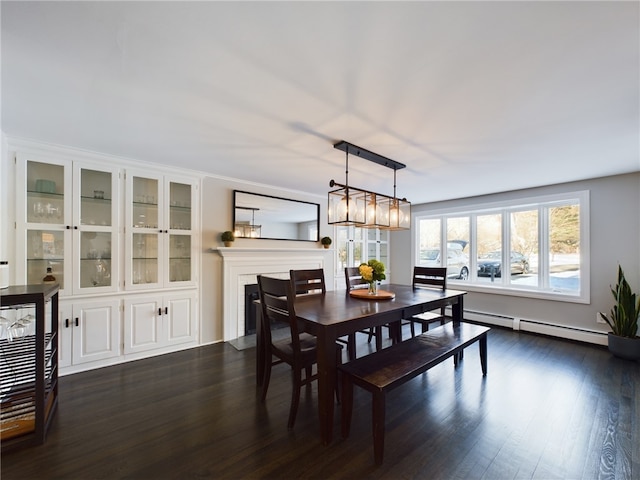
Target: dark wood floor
point(548, 409)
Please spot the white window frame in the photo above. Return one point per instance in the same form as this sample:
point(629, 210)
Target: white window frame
point(503, 286)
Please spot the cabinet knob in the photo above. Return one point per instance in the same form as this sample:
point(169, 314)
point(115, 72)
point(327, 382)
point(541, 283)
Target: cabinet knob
point(66, 323)
point(166, 310)
point(77, 323)
point(160, 311)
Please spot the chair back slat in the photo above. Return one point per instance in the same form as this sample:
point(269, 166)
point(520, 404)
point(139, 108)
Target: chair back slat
point(276, 301)
point(308, 281)
point(354, 279)
point(430, 277)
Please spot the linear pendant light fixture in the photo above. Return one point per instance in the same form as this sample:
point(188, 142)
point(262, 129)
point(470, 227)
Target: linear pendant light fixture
point(354, 206)
point(246, 229)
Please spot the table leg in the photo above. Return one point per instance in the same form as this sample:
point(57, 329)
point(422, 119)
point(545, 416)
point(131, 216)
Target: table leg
point(456, 310)
point(326, 383)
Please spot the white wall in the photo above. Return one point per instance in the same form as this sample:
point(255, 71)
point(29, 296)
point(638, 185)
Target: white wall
point(615, 239)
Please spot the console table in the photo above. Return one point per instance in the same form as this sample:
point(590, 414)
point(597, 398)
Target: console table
point(29, 368)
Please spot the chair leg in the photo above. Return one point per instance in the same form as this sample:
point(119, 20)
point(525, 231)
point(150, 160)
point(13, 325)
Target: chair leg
point(370, 335)
point(351, 346)
point(378, 334)
point(413, 328)
point(295, 397)
point(347, 404)
point(265, 380)
point(338, 362)
point(308, 372)
point(378, 426)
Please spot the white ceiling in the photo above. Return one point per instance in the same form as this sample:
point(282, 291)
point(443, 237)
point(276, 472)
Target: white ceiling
point(474, 97)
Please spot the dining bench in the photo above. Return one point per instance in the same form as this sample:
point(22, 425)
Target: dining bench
point(384, 370)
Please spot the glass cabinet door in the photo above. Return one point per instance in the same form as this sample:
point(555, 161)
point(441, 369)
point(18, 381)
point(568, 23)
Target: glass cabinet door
point(179, 258)
point(95, 198)
point(95, 237)
point(179, 206)
point(45, 213)
point(145, 258)
point(160, 220)
point(180, 224)
point(145, 240)
point(45, 248)
point(45, 193)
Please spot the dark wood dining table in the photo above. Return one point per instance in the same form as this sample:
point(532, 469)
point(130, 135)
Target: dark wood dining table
point(335, 313)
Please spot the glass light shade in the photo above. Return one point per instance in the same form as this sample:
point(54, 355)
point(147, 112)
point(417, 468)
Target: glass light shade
point(378, 211)
point(247, 230)
point(399, 214)
point(347, 206)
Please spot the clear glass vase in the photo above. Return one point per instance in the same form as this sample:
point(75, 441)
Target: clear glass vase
point(373, 288)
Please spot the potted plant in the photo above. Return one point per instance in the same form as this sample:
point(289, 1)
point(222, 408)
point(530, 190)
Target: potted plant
point(623, 320)
point(325, 241)
point(227, 237)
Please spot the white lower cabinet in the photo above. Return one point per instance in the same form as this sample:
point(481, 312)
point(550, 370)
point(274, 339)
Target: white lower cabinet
point(156, 322)
point(89, 332)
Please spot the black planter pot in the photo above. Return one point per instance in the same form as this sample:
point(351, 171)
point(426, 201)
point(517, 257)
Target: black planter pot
point(624, 347)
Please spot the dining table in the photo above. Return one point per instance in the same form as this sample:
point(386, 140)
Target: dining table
point(336, 313)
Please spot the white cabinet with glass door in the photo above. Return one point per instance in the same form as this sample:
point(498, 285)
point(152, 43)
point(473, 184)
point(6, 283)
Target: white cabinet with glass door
point(155, 322)
point(160, 219)
point(67, 221)
point(357, 245)
point(378, 246)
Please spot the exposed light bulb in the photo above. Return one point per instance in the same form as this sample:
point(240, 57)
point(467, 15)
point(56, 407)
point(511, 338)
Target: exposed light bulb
point(372, 211)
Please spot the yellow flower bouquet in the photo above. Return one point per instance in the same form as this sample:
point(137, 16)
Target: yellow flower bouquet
point(372, 272)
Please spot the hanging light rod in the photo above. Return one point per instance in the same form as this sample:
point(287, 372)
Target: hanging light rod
point(348, 205)
point(352, 149)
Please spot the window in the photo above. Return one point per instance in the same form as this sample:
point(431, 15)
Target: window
point(536, 247)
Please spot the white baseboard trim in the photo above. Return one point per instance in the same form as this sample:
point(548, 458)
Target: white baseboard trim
point(537, 326)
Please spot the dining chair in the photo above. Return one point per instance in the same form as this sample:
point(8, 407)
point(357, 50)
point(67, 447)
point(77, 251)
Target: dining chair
point(298, 349)
point(434, 278)
point(354, 280)
point(310, 282)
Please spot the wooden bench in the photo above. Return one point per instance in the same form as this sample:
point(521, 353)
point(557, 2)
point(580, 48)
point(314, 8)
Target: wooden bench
point(389, 368)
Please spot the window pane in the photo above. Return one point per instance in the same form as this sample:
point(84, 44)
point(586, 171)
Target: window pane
point(524, 248)
point(430, 235)
point(489, 238)
point(564, 248)
point(457, 247)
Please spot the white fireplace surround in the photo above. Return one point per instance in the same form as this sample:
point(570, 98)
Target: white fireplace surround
point(241, 266)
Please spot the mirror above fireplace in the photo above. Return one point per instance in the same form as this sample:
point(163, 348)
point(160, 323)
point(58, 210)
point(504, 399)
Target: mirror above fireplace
point(275, 218)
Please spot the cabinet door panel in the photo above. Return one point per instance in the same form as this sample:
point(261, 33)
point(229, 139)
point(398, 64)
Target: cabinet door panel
point(181, 319)
point(97, 333)
point(142, 325)
point(65, 332)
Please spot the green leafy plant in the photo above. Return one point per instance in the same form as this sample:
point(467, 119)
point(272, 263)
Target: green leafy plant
point(227, 236)
point(623, 318)
point(372, 271)
point(326, 241)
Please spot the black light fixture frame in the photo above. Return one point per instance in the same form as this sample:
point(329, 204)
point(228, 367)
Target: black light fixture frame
point(357, 214)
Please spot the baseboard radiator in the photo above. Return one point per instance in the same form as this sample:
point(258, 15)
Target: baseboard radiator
point(537, 326)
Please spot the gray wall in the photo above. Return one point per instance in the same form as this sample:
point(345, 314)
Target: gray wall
point(615, 239)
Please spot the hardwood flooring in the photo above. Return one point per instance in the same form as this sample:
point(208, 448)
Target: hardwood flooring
point(548, 409)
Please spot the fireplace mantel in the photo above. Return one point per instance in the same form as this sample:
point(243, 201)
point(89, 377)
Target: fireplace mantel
point(241, 266)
